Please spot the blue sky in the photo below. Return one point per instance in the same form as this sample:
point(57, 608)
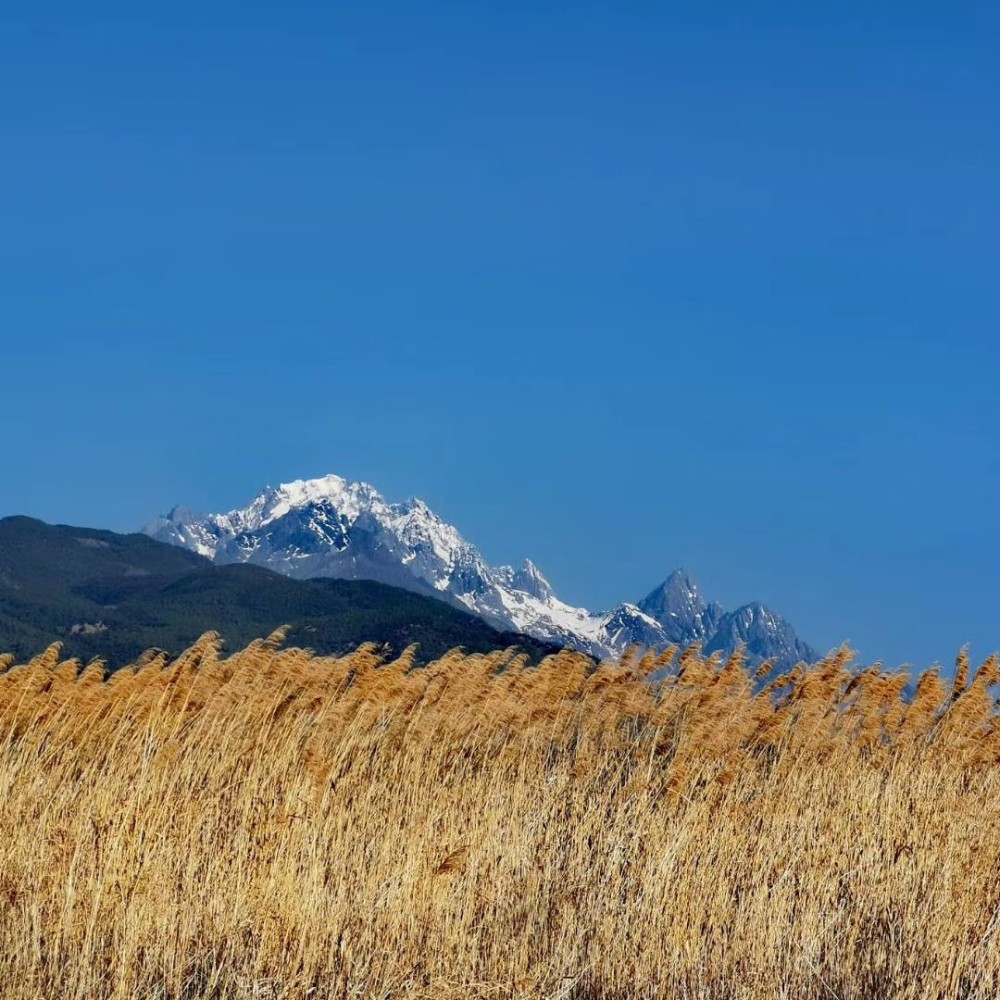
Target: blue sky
point(621, 287)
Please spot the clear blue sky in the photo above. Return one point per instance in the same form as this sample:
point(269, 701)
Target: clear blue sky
point(619, 286)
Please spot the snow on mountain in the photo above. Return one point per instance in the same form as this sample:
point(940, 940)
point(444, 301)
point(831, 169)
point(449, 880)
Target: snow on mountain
point(332, 527)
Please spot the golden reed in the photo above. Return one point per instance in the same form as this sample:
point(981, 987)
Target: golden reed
point(274, 824)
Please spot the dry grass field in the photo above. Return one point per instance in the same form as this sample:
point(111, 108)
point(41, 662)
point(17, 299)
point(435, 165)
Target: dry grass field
point(276, 825)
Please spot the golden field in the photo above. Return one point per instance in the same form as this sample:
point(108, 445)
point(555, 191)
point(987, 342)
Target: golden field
point(273, 824)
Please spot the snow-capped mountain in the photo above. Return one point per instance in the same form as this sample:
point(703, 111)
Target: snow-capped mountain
point(332, 527)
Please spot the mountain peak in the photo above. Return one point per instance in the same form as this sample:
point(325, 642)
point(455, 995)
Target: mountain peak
point(680, 588)
point(526, 579)
point(680, 582)
point(680, 609)
point(311, 490)
point(530, 579)
point(766, 636)
point(347, 496)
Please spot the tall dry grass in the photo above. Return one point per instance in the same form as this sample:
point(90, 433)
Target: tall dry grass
point(278, 825)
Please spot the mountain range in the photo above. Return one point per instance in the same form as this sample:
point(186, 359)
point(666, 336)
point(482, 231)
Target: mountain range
point(335, 528)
